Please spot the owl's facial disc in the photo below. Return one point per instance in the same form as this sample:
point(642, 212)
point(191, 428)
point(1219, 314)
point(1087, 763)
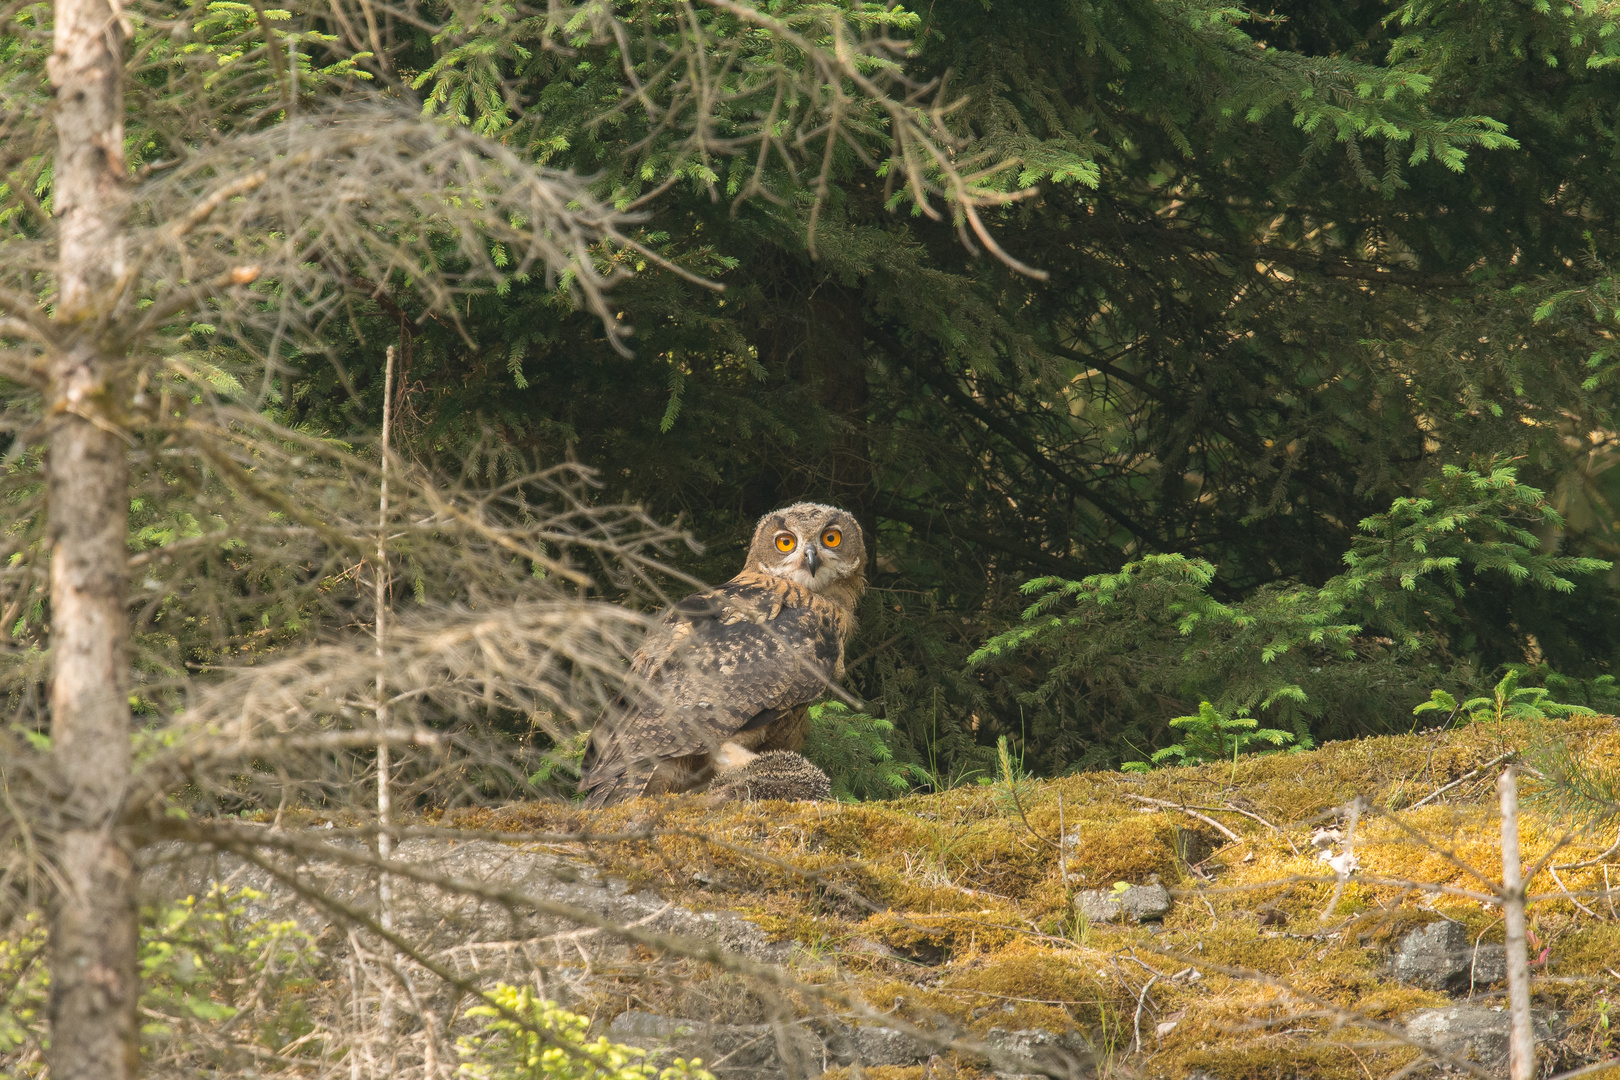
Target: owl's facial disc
point(812, 561)
point(813, 546)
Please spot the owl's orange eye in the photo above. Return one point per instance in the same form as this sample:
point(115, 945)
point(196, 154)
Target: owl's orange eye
point(831, 538)
point(786, 542)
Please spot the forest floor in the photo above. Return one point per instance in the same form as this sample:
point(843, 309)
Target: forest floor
point(957, 910)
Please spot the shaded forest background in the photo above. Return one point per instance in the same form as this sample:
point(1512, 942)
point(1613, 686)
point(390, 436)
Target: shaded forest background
point(1290, 263)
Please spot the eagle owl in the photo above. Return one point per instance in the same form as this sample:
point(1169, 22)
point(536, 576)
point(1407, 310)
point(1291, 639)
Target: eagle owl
point(737, 664)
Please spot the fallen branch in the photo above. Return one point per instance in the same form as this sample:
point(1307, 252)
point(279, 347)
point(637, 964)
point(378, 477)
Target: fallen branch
point(1136, 1047)
point(1588, 1070)
point(1190, 812)
point(1464, 778)
point(1245, 813)
point(1594, 860)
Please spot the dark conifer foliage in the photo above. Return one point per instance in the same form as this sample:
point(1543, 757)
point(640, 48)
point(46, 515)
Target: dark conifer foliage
point(1297, 260)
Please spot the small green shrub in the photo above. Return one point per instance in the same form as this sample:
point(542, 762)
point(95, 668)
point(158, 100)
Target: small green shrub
point(1014, 786)
point(23, 990)
point(561, 766)
point(204, 962)
point(526, 1039)
point(1213, 736)
point(1507, 701)
point(1115, 649)
point(207, 959)
point(853, 750)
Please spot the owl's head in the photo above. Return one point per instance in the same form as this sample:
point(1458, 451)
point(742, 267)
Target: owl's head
point(811, 545)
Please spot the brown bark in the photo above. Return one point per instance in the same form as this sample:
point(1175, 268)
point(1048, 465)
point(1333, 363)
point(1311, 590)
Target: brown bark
point(93, 922)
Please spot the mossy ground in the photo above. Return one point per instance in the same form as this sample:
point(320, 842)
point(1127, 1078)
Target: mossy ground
point(955, 906)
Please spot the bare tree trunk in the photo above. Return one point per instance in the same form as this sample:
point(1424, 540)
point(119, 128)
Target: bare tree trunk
point(93, 923)
point(1522, 1035)
point(385, 797)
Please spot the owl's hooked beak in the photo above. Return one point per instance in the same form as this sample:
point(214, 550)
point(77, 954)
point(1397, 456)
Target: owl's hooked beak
point(811, 560)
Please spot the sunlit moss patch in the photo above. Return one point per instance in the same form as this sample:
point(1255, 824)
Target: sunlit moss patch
point(956, 907)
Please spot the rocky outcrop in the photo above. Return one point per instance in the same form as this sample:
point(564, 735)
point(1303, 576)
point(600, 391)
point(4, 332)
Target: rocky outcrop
point(953, 914)
point(1476, 1033)
point(466, 930)
point(767, 1051)
point(1442, 956)
point(444, 918)
point(1137, 904)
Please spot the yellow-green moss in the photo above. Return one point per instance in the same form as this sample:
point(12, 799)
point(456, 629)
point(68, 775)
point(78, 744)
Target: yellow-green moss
point(970, 897)
point(879, 1072)
point(1287, 1060)
point(1133, 847)
point(1045, 988)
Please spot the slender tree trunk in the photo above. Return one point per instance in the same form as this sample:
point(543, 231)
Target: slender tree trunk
point(1522, 1033)
point(93, 923)
point(385, 794)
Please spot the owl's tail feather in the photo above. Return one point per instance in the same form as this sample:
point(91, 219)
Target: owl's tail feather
point(610, 789)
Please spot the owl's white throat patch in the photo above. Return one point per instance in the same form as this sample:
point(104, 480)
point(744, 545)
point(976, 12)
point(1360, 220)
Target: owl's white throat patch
point(797, 574)
point(732, 756)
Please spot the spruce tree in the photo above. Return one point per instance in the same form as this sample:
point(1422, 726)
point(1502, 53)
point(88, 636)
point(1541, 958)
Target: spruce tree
point(1288, 265)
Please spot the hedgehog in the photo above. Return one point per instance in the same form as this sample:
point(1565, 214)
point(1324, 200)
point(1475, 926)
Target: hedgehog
point(775, 774)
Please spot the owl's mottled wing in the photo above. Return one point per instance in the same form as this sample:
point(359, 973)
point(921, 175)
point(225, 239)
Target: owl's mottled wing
point(721, 662)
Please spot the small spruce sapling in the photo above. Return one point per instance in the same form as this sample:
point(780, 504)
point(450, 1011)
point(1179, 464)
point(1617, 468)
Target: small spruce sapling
point(524, 1038)
point(560, 768)
point(1013, 784)
point(1211, 735)
point(1507, 701)
point(852, 748)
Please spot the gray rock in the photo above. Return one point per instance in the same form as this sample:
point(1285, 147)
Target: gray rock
point(886, 1046)
point(637, 1027)
point(1477, 1033)
point(1442, 956)
point(759, 1046)
point(1138, 903)
point(871, 1044)
point(443, 918)
point(1037, 1052)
